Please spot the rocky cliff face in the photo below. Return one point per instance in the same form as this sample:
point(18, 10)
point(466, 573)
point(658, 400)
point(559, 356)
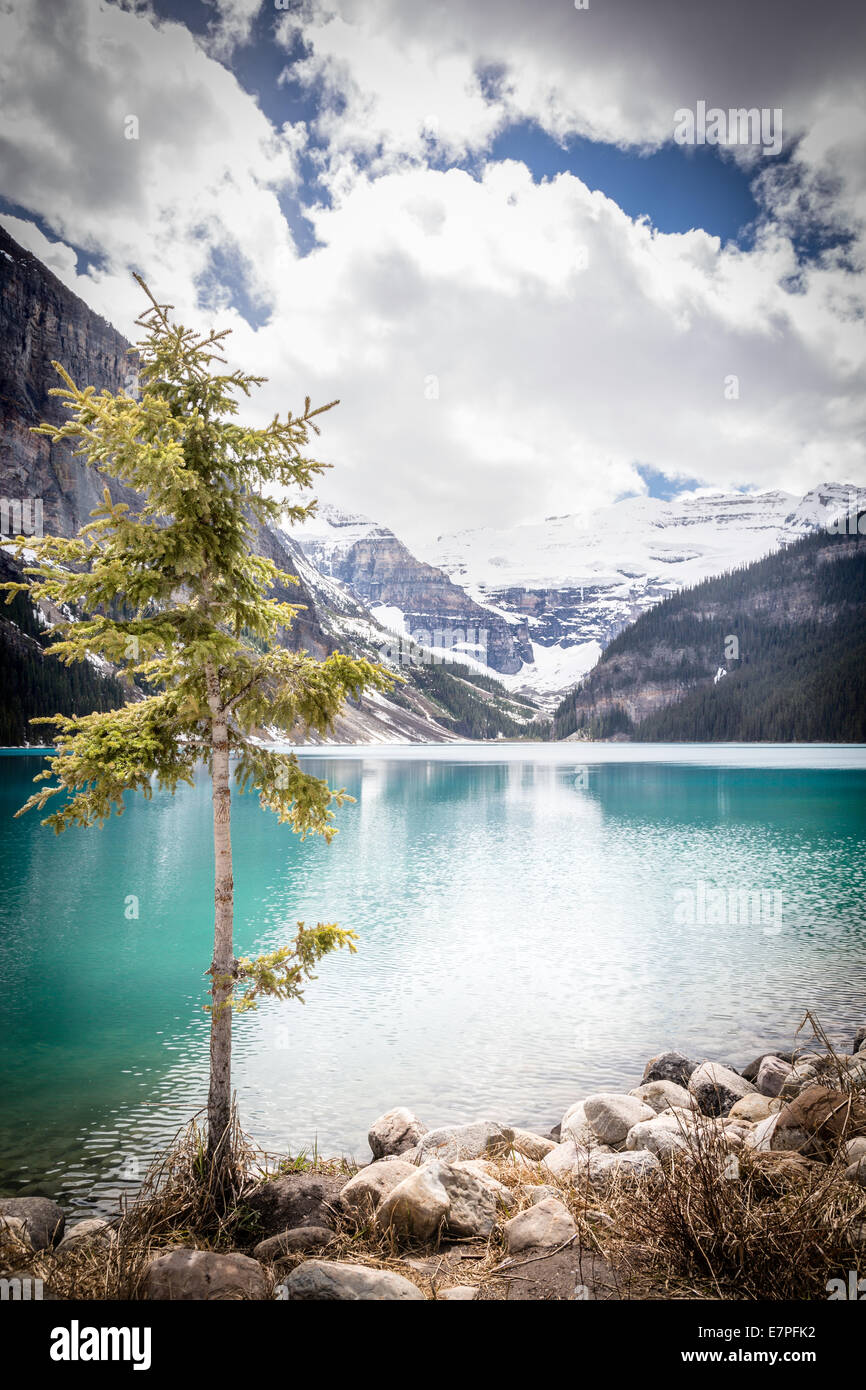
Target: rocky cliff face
point(40, 321)
point(409, 596)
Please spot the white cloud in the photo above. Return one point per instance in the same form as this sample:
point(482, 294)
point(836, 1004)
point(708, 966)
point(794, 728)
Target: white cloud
point(233, 24)
point(202, 174)
point(617, 71)
point(567, 341)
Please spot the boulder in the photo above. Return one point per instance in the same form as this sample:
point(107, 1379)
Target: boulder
point(612, 1116)
point(336, 1282)
point(367, 1189)
point(471, 1202)
point(395, 1132)
point(856, 1148)
point(716, 1088)
point(204, 1275)
point(750, 1072)
point(856, 1172)
point(416, 1208)
point(298, 1199)
point(481, 1139)
point(481, 1169)
point(633, 1163)
point(735, 1135)
point(855, 1069)
point(662, 1095)
point(760, 1137)
point(859, 1040)
point(296, 1241)
point(751, 1108)
point(567, 1160)
point(669, 1066)
point(43, 1219)
point(437, 1197)
point(818, 1121)
point(546, 1224)
point(459, 1293)
point(576, 1128)
point(772, 1074)
point(93, 1229)
point(666, 1133)
point(541, 1193)
point(808, 1069)
point(532, 1146)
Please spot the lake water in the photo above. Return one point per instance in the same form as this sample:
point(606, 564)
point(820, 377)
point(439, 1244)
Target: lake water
point(534, 922)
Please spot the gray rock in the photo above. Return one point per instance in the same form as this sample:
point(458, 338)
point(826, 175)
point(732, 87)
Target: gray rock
point(669, 1066)
point(578, 1165)
point(93, 1229)
point(633, 1163)
point(320, 1280)
point(750, 1071)
point(806, 1071)
point(395, 1132)
point(576, 1127)
point(416, 1208)
point(543, 1225)
point(532, 1146)
point(856, 1070)
point(662, 1095)
point(480, 1169)
point(541, 1193)
point(567, 1160)
point(667, 1133)
point(772, 1074)
point(367, 1189)
point(612, 1115)
point(820, 1120)
point(43, 1219)
point(856, 1172)
point(471, 1202)
point(203, 1275)
point(298, 1199)
point(481, 1139)
point(716, 1088)
point(760, 1138)
point(856, 1148)
point(859, 1039)
point(752, 1108)
point(438, 1197)
point(296, 1241)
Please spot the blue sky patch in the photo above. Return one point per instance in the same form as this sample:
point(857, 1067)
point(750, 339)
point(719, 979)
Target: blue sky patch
point(678, 187)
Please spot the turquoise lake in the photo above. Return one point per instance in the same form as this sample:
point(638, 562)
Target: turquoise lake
point(534, 922)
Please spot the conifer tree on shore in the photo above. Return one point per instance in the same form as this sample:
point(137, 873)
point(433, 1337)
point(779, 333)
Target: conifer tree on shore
point(171, 593)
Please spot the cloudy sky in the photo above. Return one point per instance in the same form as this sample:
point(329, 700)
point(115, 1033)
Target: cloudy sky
point(469, 219)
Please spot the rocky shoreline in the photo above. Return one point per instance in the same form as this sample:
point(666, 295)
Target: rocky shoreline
point(452, 1213)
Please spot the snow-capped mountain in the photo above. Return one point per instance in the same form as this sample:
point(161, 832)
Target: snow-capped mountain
point(408, 596)
point(577, 580)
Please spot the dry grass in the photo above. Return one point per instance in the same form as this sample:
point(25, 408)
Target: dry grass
point(184, 1201)
point(775, 1228)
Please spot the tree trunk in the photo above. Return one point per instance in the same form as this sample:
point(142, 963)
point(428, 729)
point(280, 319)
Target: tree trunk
point(223, 964)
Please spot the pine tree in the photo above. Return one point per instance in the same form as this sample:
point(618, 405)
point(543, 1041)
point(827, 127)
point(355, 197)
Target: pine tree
point(171, 594)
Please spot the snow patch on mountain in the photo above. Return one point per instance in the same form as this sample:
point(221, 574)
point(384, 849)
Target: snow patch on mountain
point(578, 579)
